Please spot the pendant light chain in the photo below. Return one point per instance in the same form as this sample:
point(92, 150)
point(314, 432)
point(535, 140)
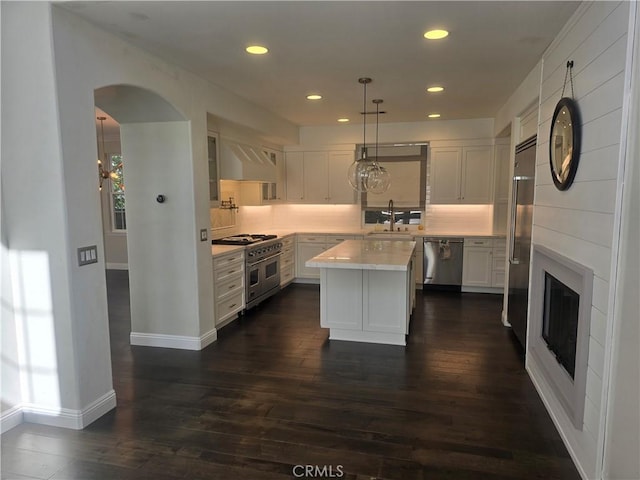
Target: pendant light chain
point(568, 72)
point(364, 121)
point(377, 123)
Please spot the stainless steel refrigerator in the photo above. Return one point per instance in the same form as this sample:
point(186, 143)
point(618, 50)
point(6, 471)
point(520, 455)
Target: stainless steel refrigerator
point(520, 236)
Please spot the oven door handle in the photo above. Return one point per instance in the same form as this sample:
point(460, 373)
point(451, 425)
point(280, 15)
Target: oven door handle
point(264, 259)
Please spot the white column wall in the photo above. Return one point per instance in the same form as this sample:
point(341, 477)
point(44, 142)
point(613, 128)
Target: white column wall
point(161, 269)
point(622, 436)
point(34, 207)
point(580, 223)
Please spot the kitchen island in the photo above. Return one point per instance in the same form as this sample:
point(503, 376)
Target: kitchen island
point(367, 290)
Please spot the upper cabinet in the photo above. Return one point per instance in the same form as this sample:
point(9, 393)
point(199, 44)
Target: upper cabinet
point(462, 175)
point(319, 177)
point(214, 169)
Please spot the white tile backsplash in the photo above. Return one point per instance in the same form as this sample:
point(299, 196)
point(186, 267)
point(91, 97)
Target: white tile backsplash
point(458, 219)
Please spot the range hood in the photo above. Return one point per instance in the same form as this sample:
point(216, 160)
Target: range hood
point(240, 161)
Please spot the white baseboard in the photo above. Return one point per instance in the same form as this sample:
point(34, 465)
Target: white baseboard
point(313, 281)
point(117, 266)
point(173, 341)
point(11, 418)
point(563, 425)
point(98, 408)
point(492, 290)
point(61, 417)
point(505, 320)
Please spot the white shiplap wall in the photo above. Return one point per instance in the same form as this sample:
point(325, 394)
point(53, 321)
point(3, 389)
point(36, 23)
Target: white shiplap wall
point(580, 223)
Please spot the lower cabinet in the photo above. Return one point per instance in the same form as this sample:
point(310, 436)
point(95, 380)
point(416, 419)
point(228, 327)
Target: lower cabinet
point(309, 245)
point(288, 260)
point(228, 286)
point(483, 265)
point(499, 262)
point(367, 305)
point(418, 263)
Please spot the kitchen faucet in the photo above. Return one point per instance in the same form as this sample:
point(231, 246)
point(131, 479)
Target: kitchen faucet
point(392, 216)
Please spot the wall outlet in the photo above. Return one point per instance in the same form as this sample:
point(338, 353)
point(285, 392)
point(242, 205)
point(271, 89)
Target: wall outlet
point(87, 255)
point(203, 235)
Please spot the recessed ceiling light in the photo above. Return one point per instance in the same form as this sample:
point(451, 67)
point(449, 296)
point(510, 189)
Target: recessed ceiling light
point(435, 89)
point(257, 49)
point(435, 34)
point(343, 120)
point(434, 115)
point(314, 96)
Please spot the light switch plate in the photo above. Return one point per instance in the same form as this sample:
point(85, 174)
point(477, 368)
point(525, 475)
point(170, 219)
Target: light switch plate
point(203, 235)
point(87, 255)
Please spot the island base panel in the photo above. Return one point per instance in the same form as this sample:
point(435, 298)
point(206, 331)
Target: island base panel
point(367, 337)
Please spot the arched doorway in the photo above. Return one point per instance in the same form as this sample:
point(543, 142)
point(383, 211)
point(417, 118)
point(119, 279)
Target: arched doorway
point(156, 147)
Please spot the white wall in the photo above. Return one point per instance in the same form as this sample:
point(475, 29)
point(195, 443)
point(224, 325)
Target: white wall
point(10, 386)
point(52, 62)
point(399, 132)
point(580, 223)
point(158, 156)
point(520, 101)
point(34, 209)
point(623, 419)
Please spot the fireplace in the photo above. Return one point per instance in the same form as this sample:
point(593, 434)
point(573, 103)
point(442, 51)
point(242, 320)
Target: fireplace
point(560, 321)
point(560, 316)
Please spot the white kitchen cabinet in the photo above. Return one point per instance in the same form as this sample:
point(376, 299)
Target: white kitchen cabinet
point(499, 262)
point(288, 260)
point(294, 165)
point(477, 262)
point(228, 286)
point(319, 177)
point(304, 251)
point(316, 177)
point(445, 175)
point(462, 175)
point(339, 189)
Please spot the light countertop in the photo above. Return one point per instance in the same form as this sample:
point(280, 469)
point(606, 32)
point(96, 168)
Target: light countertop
point(366, 255)
point(217, 250)
point(364, 232)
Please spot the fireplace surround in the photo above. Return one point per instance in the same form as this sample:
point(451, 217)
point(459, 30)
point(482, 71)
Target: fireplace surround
point(560, 317)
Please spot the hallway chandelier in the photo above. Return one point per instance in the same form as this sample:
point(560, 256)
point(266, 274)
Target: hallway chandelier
point(103, 172)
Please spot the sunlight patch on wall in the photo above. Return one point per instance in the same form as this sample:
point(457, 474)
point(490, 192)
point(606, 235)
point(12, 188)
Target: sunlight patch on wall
point(35, 331)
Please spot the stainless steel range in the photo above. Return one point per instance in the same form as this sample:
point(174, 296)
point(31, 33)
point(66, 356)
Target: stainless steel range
point(262, 265)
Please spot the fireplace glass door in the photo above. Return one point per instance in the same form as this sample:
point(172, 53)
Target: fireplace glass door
point(560, 321)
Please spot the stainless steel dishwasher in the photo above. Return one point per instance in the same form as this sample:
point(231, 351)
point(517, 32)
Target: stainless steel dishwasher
point(443, 263)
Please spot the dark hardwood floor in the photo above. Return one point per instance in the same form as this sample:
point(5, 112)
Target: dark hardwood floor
point(273, 392)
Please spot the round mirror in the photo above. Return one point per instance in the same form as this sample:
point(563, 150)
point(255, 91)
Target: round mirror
point(564, 143)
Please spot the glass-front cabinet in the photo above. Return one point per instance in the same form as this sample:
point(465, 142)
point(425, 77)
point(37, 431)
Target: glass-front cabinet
point(214, 169)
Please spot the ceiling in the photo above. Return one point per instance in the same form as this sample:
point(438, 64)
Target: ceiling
point(324, 47)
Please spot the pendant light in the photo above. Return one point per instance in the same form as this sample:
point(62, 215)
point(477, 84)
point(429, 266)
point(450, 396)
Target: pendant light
point(103, 169)
point(359, 170)
point(378, 179)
